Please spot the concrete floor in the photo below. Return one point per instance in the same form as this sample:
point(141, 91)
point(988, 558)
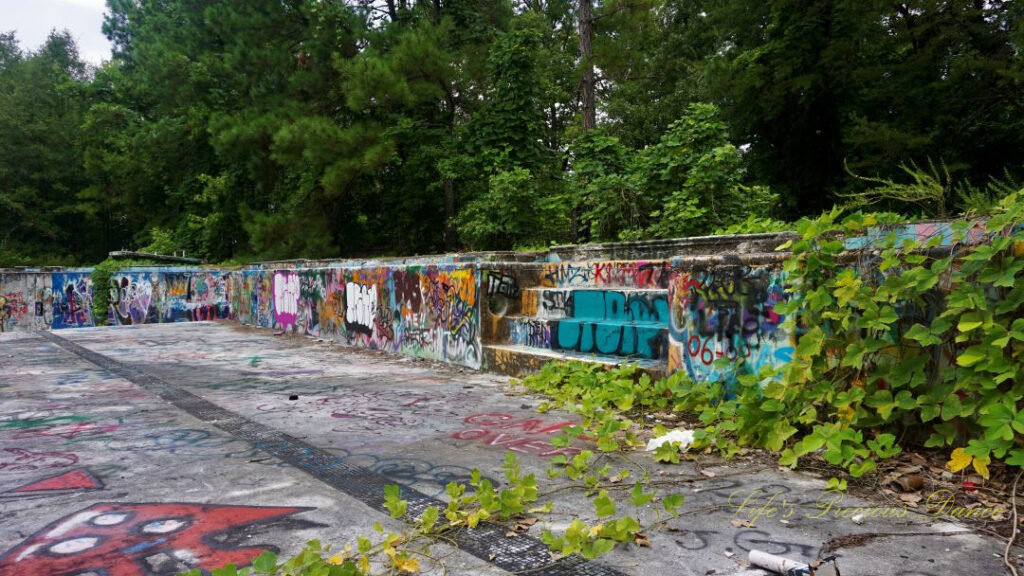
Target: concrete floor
point(105, 472)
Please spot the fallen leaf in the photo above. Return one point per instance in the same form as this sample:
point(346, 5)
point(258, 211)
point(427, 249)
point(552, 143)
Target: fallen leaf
point(708, 473)
point(511, 534)
point(641, 540)
point(740, 523)
point(523, 525)
point(959, 460)
point(910, 498)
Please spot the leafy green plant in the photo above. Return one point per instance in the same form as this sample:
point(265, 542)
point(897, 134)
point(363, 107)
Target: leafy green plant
point(102, 288)
point(919, 339)
point(929, 190)
point(756, 225)
point(100, 277)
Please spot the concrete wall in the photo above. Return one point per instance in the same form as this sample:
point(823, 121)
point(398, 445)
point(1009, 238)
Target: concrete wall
point(726, 312)
point(711, 310)
point(429, 311)
point(698, 313)
point(44, 300)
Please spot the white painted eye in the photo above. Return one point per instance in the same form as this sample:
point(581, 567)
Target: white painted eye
point(163, 526)
point(74, 546)
point(109, 519)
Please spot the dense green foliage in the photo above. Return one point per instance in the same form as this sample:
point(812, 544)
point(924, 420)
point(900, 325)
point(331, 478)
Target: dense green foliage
point(917, 344)
point(270, 129)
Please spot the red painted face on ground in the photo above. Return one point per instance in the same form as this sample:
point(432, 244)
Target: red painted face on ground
point(116, 539)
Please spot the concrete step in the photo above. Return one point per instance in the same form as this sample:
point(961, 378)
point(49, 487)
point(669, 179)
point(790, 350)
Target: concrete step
point(625, 304)
point(635, 305)
point(644, 339)
point(522, 360)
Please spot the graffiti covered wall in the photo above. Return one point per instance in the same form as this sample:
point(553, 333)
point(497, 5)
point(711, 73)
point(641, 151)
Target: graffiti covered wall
point(426, 311)
point(43, 300)
point(174, 295)
point(71, 300)
point(25, 301)
point(728, 313)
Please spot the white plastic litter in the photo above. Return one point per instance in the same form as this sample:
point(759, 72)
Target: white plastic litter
point(787, 567)
point(683, 437)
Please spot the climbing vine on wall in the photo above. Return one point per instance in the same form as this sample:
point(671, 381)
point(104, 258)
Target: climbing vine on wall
point(909, 340)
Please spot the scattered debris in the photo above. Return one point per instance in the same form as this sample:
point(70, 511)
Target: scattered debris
point(641, 540)
point(910, 498)
point(522, 526)
point(741, 523)
point(293, 397)
point(787, 567)
point(683, 437)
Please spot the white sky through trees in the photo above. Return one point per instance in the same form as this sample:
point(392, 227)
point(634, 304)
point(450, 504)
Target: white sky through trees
point(32, 21)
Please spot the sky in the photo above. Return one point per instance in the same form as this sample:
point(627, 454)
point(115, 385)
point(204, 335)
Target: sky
point(32, 21)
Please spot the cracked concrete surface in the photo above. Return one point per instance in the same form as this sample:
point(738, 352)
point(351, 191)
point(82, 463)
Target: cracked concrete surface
point(102, 476)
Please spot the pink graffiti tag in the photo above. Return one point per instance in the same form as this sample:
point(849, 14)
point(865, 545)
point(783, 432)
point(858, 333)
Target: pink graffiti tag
point(498, 429)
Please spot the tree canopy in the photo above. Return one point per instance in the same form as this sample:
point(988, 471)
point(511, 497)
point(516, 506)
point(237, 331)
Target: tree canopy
point(304, 128)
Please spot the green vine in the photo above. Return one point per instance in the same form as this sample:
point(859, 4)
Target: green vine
point(101, 287)
point(909, 341)
point(100, 277)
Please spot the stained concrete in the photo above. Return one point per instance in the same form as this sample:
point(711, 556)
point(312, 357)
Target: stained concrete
point(138, 483)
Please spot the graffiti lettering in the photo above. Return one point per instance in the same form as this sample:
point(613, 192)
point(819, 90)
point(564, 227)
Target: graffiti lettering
point(361, 306)
point(499, 429)
point(286, 298)
point(727, 314)
point(502, 284)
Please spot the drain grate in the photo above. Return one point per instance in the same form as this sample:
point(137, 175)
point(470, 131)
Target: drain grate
point(522, 554)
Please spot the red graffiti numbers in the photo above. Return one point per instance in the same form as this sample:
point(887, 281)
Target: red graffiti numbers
point(528, 436)
point(131, 539)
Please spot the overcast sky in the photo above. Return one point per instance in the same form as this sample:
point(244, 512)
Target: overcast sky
point(32, 20)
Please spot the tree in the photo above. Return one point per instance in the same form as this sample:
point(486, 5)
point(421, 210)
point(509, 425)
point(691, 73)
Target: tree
point(41, 109)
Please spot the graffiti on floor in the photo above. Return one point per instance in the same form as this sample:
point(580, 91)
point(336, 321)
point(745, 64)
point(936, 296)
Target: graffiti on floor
point(181, 441)
point(140, 540)
point(24, 460)
point(77, 480)
point(366, 411)
point(507, 432)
